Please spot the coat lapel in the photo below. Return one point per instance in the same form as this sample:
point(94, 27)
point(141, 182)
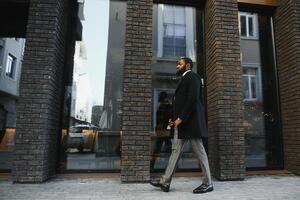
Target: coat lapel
point(180, 82)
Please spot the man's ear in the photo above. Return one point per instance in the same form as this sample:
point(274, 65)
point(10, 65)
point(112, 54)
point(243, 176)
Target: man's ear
point(188, 66)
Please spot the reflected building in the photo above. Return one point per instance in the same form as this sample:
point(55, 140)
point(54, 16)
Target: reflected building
point(111, 115)
point(96, 114)
point(81, 106)
point(11, 58)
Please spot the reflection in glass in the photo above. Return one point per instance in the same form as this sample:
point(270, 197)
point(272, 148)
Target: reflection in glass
point(250, 82)
point(243, 25)
point(92, 141)
point(162, 143)
point(174, 31)
point(250, 25)
point(10, 66)
point(11, 58)
point(261, 113)
point(174, 35)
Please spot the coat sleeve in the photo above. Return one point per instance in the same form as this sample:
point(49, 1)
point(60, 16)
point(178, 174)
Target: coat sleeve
point(193, 89)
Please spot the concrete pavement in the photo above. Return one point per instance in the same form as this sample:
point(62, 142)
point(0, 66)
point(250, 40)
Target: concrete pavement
point(273, 187)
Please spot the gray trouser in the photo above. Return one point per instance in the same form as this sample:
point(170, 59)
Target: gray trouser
point(177, 148)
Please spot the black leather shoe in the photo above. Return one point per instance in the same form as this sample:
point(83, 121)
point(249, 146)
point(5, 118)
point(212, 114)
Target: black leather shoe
point(203, 188)
point(158, 184)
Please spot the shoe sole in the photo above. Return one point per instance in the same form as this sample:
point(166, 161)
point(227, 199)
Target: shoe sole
point(164, 189)
point(201, 192)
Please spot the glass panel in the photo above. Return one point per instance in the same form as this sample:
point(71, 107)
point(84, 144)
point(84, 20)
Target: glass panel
point(168, 14)
point(11, 56)
point(243, 25)
point(174, 42)
point(179, 30)
point(92, 141)
point(261, 107)
point(273, 129)
point(253, 86)
point(9, 66)
point(250, 26)
point(179, 13)
point(246, 90)
point(168, 47)
point(253, 119)
point(169, 29)
point(164, 84)
point(180, 48)
point(254, 127)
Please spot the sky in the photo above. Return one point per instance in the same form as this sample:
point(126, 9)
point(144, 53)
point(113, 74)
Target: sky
point(95, 37)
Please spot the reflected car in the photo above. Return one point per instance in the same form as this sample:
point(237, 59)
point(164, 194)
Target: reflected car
point(82, 137)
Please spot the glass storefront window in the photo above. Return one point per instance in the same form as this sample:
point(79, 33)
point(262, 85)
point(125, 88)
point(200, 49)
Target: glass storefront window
point(92, 141)
point(11, 57)
point(261, 113)
point(174, 35)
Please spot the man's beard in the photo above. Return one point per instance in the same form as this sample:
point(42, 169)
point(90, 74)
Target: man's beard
point(180, 72)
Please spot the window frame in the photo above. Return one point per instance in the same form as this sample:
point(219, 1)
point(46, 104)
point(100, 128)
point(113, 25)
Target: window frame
point(1, 58)
point(10, 70)
point(258, 85)
point(190, 41)
point(254, 17)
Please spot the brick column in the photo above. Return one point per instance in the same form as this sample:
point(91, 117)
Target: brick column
point(38, 117)
point(137, 92)
point(224, 90)
point(287, 40)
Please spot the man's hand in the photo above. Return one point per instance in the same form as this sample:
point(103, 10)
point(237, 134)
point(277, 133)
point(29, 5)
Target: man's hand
point(177, 122)
point(171, 123)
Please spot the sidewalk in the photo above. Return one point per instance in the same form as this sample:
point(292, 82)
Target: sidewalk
point(273, 187)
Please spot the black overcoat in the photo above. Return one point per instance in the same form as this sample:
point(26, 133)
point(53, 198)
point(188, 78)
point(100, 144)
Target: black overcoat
point(188, 106)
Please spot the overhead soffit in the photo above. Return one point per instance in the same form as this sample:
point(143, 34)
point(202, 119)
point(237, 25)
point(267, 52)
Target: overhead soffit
point(260, 2)
point(201, 2)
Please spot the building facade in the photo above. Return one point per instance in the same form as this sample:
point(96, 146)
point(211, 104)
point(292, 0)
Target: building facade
point(247, 53)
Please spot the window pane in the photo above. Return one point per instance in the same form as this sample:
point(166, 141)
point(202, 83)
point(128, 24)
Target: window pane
point(168, 14)
point(174, 41)
point(9, 66)
point(168, 29)
point(253, 120)
point(180, 47)
point(243, 26)
point(246, 90)
point(91, 139)
point(168, 46)
point(253, 87)
point(250, 26)
point(261, 116)
point(179, 30)
point(249, 71)
point(179, 15)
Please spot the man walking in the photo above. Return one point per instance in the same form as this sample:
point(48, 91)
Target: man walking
point(189, 124)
